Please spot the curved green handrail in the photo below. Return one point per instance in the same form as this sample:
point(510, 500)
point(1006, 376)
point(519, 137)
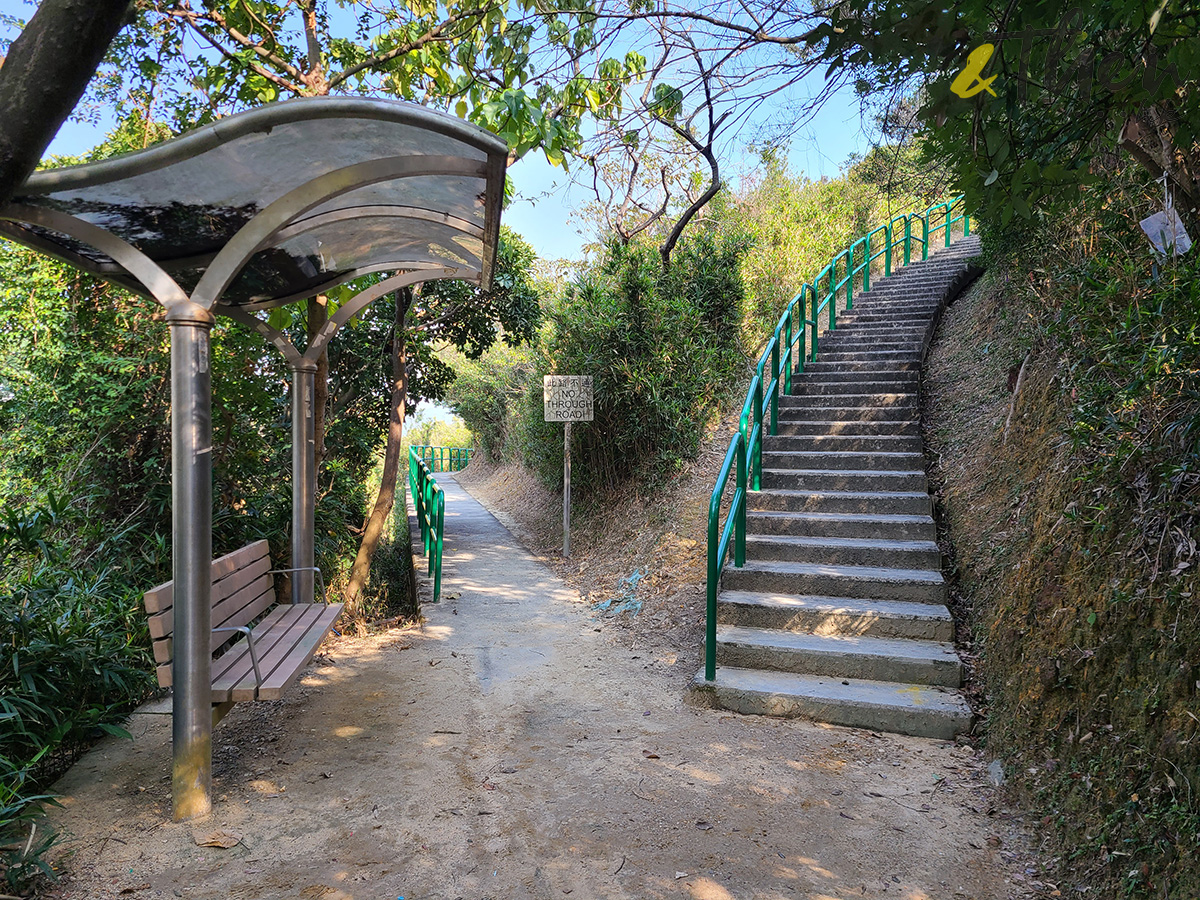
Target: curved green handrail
point(443, 459)
point(430, 503)
point(760, 412)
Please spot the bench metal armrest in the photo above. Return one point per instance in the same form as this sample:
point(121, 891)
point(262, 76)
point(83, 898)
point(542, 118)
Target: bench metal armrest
point(253, 654)
point(320, 579)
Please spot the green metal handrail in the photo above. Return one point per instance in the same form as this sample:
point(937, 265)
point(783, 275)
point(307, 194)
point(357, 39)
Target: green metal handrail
point(430, 503)
point(443, 459)
point(787, 350)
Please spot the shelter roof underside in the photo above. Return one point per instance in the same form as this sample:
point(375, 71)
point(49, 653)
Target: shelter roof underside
point(430, 199)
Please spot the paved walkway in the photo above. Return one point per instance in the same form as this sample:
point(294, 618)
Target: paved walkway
point(510, 750)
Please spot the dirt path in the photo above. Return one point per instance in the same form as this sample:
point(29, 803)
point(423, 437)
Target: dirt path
point(511, 750)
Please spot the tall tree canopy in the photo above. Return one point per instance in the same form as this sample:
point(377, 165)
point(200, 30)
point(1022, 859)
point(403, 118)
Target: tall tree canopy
point(528, 71)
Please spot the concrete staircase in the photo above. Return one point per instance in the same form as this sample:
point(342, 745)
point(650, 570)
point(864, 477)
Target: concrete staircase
point(839, 614)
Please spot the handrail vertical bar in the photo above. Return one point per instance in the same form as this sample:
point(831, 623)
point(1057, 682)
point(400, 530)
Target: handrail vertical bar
point(757, 421)
point(850, 278)
point(787, 357)
point(866, 281)
point(441, 525)
point(738, 511)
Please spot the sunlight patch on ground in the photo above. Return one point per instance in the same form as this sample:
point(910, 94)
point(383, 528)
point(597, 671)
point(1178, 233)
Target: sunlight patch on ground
point(345, 731)
point(815, 867)
point(707, 889)
point(701, 774)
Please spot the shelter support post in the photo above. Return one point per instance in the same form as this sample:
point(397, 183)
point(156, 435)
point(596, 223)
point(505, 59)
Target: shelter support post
point(191, 543)
point(304, 488)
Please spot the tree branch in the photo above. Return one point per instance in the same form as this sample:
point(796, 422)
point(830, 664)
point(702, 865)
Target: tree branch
point(433, 35)
point(193, 18)
point(46, 72)
point(266, 73)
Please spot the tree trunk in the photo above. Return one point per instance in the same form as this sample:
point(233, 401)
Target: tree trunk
point(46, 72)
point(391, 458)
point(318, 315)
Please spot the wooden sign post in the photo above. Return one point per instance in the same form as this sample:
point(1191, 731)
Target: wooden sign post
point(567, 399)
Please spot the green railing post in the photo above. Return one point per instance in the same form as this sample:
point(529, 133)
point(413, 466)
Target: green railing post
point(850, 278)
point(907, 240)
point(714, 570)
point(757, 423)
point(441, 525)
point(774, 385)
point(947, 224)
point(787, 357)
point(812, 322)
point(887, 253)
point(867, 266)
point(739, 511)
point(832, 301)
point(925, 236)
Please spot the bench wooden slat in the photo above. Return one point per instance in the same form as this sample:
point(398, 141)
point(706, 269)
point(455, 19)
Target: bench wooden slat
point(234, 655)
point(228, 669)
point(291, 644)
point(285, 673)
point(224, 595)
point(164, 650)
point(159, 598)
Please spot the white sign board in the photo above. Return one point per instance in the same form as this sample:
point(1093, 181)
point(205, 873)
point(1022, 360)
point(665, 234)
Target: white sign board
point(567, 398)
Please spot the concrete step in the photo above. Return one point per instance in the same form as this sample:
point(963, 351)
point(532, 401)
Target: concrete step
point(842, 480)
point(903, 503)
point(840, 656)
point(897, 322)
point(919, 527)
point(928, 712)
point(821, 367)
point(877, 332)
point(848, 427)
point(878, 550)
point(844, 344)
point(874, 582)
point(906, 400)
point(836, 615)
point(822, 386)
point(891, 412)
point(801, 380)
point(873, 355)
point(844, 443)
point(822, 460)
point(899, 298)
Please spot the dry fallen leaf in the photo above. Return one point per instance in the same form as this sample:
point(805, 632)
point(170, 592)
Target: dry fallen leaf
point(219, 838)
point(649, 755)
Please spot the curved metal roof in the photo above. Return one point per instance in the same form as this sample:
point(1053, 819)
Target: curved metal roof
point(336, 187)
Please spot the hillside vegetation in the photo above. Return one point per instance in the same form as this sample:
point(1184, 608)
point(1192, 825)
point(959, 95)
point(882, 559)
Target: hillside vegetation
point(667, 347)
point(1064, 422)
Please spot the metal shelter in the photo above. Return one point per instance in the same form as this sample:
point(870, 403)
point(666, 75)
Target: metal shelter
point(258, 210)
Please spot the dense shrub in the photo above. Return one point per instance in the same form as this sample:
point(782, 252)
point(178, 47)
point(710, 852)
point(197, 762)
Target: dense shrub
point(486, 394)
point(662, 347)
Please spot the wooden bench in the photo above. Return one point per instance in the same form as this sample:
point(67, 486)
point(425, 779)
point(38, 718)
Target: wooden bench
point(253, 660)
